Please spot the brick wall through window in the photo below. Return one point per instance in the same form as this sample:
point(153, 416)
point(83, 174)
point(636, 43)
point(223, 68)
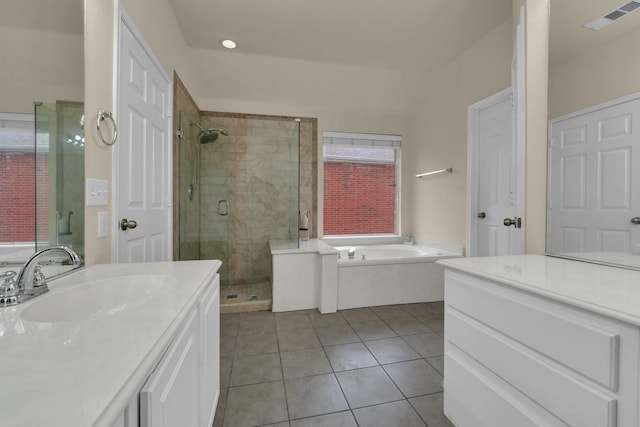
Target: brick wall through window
point(17, 188)
point(359, 198)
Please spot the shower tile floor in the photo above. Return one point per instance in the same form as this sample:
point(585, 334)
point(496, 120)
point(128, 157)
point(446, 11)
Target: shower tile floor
point(245, 298)
point(376, 366)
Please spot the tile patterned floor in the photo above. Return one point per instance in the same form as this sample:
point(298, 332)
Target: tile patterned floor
point(367, 367)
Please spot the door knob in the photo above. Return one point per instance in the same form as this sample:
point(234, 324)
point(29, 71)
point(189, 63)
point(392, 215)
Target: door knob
point(516, 222)
point(482, 215)
point(127, 223)
point(635, 220)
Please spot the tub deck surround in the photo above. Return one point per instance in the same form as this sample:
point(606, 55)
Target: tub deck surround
point(281, 247)
point(312, 276)
point(391, 254)
point(543, 341)
point(392, 274)
point(303, 277)
point(83, 372)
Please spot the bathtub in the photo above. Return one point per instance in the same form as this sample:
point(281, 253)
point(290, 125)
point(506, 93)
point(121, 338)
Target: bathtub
point(390, 274)
point(388, 254)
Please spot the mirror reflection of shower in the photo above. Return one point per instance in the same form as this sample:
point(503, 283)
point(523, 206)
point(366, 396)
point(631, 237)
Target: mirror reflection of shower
point(205, 136)
point(59, 134)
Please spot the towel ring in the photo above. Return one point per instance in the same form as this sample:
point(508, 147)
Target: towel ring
point(103, 114)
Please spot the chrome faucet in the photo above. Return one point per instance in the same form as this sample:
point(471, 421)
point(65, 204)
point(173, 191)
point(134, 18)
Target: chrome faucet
point(351, 253)
point(30, 281)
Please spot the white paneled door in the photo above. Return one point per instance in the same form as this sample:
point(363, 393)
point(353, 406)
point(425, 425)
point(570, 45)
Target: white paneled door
point(495, 169)
point(593, 202)
point(141, 171)
point(495, 172)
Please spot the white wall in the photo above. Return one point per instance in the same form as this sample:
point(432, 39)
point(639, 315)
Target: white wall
point(438, 131)
point(438, 137)
point(39, 66)
point(231, 77)
point(342, 98)
point(156, 22)
point(594, 76)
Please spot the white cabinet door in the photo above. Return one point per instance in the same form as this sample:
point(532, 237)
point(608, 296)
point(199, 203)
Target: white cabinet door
point(171, 396)
point(592, 197)
point(209, 306)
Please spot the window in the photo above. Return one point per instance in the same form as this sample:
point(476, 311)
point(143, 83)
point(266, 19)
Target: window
point(18, 160)
point(360, 183)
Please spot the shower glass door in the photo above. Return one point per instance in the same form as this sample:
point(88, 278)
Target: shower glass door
point(238, 191)
point(203, 181)
point(59, 174)
point(216, 209)
point(189, 214)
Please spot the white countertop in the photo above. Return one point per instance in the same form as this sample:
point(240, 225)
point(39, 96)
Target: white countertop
point(82, 373)
point(610, 291)
point(282, 247)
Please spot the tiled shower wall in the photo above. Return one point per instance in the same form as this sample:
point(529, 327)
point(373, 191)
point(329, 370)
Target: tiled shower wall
point(252, 169)
point(242, 240)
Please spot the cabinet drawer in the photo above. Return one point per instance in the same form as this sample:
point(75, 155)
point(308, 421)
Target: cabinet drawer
point(475, 397)
point(566, 336)
point(534, 376)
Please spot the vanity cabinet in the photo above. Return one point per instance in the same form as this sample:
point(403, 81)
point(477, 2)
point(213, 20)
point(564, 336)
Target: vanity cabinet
point(520, 358)
point(183, 388)
point(209, 307)
point(170, 396)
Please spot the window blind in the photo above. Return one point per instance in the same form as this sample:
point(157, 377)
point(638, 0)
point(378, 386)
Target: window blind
point(342, 139)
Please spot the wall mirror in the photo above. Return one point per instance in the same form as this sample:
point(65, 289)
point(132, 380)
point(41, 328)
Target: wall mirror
point(593, 203)
point(41, 129)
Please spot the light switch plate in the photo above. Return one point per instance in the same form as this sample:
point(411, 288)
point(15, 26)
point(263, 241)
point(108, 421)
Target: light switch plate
point(103, 224)
point(97, 192)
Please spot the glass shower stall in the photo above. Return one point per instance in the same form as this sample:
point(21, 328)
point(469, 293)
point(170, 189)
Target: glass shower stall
point(59, 174)
point(238, 178)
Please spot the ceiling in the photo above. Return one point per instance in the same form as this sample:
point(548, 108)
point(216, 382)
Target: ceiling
point(569, 37)
point(403, 35)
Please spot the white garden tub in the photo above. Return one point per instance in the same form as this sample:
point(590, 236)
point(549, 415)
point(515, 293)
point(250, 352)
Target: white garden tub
point(390, 274)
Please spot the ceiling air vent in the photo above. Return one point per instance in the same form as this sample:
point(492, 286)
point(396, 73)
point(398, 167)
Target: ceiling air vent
point(615, 15)
point(619, 12)
point(630, 7)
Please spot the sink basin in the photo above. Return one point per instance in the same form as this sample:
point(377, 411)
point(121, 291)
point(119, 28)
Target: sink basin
point(97, 299)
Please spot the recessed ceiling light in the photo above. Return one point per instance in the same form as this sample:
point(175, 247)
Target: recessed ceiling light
point(229, 44)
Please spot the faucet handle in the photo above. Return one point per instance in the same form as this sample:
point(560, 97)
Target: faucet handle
point(8, 285)
point(39, 279)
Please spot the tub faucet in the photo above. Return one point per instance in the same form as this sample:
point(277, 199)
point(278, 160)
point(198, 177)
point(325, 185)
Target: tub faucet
point(30, 281)
point(351, 253)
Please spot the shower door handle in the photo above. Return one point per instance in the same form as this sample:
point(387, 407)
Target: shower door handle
point(223, 207)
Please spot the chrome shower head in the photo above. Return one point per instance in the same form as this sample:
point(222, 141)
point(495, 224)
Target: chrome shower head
point(210, 134)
